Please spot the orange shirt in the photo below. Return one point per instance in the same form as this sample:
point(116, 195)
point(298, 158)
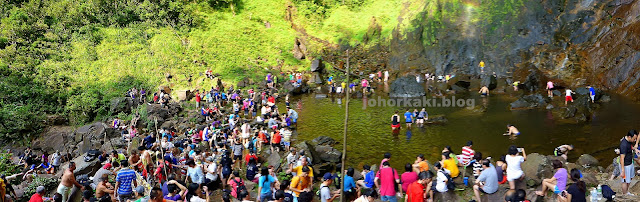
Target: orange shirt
point(423, 166)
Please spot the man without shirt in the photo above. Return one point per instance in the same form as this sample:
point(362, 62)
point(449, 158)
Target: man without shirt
point(67, 182)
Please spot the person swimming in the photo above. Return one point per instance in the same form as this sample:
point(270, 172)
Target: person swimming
point(512, 130)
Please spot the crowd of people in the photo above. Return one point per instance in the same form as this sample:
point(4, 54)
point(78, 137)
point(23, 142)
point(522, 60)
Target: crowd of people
point(223, 156)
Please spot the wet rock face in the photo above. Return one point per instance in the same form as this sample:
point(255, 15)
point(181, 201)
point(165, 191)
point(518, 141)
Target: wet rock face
point(406, 87)
point(529, 102)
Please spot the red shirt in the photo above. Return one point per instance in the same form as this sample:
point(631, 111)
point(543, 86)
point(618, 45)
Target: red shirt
point(249, 157)
point(415, 192)
point(276, 138)
point(198, 97)
point(272, 99)
point(36, 198)
point(263, 137)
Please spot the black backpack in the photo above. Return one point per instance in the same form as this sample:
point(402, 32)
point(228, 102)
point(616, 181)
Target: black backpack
point(92, 155)
point(607, 192)
point(239, 188)
point(450, 184)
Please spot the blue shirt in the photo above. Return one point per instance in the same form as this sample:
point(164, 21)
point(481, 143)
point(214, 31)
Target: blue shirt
point(349, 184)
point(592, 91)
point(368, 179)
point(265, 183)
point(407, 116)
point(125, 177)
point(196, 174)
point(490, 179)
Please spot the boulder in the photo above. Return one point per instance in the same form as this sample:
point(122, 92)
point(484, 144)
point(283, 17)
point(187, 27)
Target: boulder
point(54, 138)
point(309, 151)
point(549, 106)
point(536, 168)
point(437, 119)
point(589, 179)
point(317, 65)
point(447, 196)
point(406, 87)
point(463, 84)
point(320, 169)
point(83, 167)
point(323, 140)
point(244, 83)
point(184, 95)
point(296, 90)
point(529, 101)
point(328, 154)
point(605, 98)
point(274, 160)
point(91, 133)
point(556, 93)
point(490, 81)
point(299, 50)
point(133, 147)
point(121, 105)
point(532, 82)
point(166, 89)
point(587, 161)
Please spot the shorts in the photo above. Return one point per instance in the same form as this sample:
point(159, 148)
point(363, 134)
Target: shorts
point(556, 190)
point(237, 157)
point(517, 133)
point(294, 120)
point(124, 197)
point(484, 94)
point(286, 143)
point(593, 97)
point(504, 179)
point(419, 120)
point(408, 122)
point(568, 98)
point(628, 173)
point(514, 175)
point(389, 198)
point(395, 126)
point(269, 81)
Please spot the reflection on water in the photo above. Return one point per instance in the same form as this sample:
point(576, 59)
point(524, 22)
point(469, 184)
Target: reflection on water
point(369, 129)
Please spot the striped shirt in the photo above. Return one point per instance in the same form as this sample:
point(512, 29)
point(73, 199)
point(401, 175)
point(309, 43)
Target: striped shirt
point(467, 154)
point(125, 177)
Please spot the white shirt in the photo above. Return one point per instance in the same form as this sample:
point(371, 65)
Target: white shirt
point(291, 159)
point(197, 199)
point(55, 158)
point(211, 171)
point(569, 92)
point(441, 185)
point(513, 164)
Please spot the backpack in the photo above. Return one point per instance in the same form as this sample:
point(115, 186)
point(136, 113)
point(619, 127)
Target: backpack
point(450, 184)
point(607, 192)
point(92, 155)
point(319, 192)
point(239, 187)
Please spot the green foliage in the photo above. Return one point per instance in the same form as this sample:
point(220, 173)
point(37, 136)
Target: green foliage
point(6, 166)
point(48, 183)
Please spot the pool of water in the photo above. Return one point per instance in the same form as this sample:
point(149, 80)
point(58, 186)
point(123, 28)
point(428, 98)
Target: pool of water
point(369, 134)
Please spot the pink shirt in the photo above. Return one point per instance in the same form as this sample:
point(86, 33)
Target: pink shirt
point(387, 178)
point(549, 85)
point(365, 83)
point(407, 179)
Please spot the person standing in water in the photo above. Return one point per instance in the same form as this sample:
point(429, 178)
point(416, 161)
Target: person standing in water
point(484, 91)
point(395, 121)
point(408, 117)
point(422, 115)
point(550, 88)
point(512, 130)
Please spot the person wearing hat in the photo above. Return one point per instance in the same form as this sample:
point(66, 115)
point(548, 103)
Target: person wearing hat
point(325, 191)
point(37, 197)
point(139, 194)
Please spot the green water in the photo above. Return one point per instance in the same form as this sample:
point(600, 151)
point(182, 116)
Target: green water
point(369, 133)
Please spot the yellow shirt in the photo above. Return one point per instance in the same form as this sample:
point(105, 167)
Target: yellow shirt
point(481, 64)
point(298, 170)
point(451, 166)
point(300, 183)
